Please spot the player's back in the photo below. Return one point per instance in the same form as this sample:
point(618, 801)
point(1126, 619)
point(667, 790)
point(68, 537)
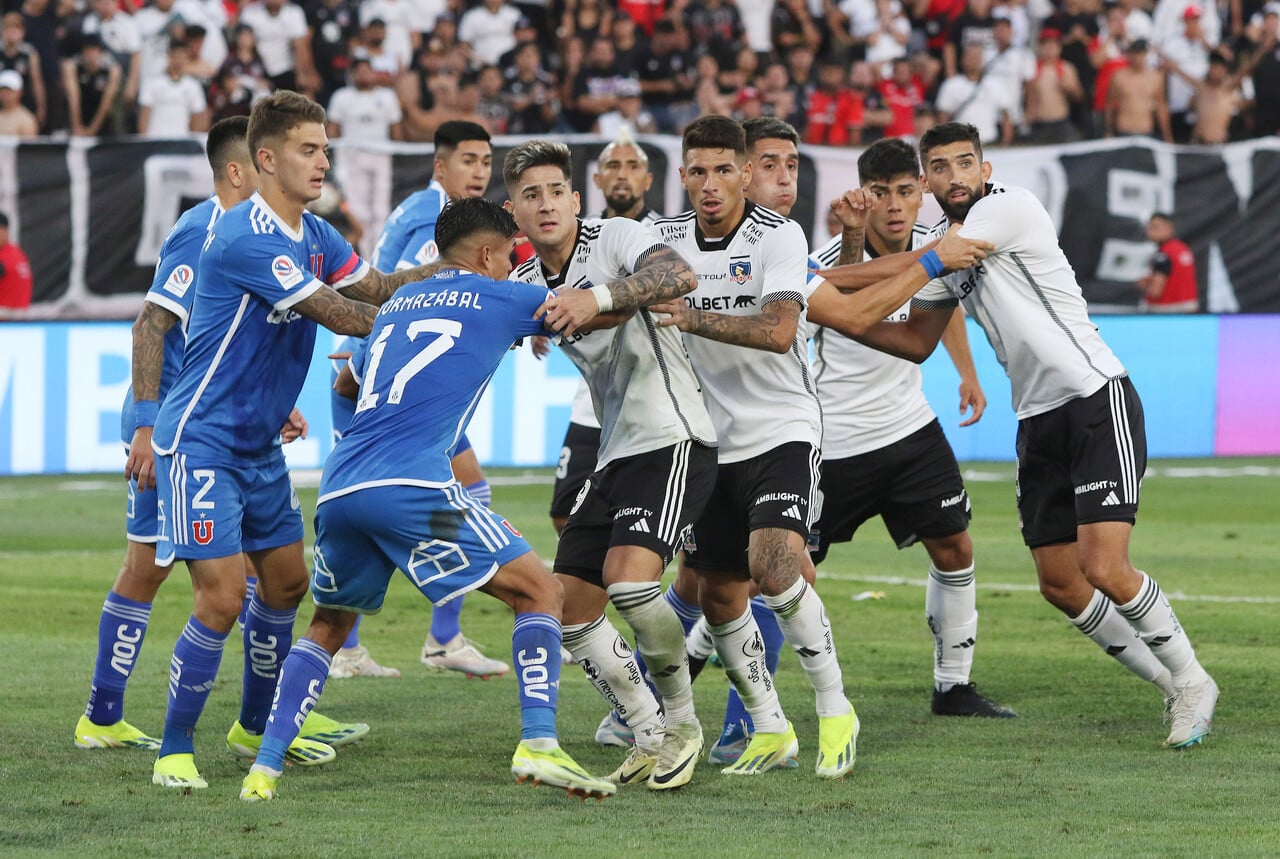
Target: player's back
point(408, 237)
point(435, 344)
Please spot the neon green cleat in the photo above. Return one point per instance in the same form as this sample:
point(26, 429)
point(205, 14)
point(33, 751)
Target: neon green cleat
point(635, 768)
point(259, 785)
point(322, 729)
point(837, 744)
point(120, 735)
point(556, 768)
point(767, 752)
point(177, 771)
point(303, 752)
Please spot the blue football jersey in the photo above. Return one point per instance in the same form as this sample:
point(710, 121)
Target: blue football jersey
point(408, 239)
point(433, 349)
point(173, 288)
point(247, 351)
point(340, 408)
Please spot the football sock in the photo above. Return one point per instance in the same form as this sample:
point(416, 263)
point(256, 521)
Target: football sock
point(735, 711)
point(611, 668)
point(687, 612)
point(302, 679)
point(192, 670)
point(1110, 631)
point(446, 620)
point(480, 491)
point(120, 632)
point(1152, 617)
point(353, 637)
point(250, 588)
point(659, 635)
point(741, 650)
point(535, 652)
point(268, 636)
point(804, 623)
point(951, 608)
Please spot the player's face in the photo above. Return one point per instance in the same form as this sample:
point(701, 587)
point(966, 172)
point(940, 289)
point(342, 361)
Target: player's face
point(956, 176)
point(465, 172)
point(545, 207)
point(716, 181)
point(624, 178)
point(299, 162)
point(897, 205)
point(497, 263)
point(775, 168)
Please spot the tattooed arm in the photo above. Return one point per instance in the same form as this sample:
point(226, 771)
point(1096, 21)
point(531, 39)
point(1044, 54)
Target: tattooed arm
point(376, 287)
point(661, 275)
point(773, 329)
point(337, 312)
point(149, 331)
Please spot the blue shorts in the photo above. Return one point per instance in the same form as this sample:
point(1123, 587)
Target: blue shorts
point(140, 523)
point(444, 541)
point(216, 510)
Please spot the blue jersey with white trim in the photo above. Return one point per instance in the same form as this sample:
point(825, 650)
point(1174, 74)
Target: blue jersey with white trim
point(247, 351)
point(173, 288)
point(435, 344)
point(408, 239)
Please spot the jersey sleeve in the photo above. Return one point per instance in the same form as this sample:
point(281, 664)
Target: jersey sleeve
point(934, 295)
point(341, 265)
point(525, 299)
point(269, 270)
point(625, 241)
point(827, 255)
point(173, 286)
point(1001, 218)
point(420, 249)
point(359, 356)
point(1161, 263)
point(786, 266)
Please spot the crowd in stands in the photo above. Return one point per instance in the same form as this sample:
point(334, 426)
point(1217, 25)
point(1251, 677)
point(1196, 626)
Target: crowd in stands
point(844, 72)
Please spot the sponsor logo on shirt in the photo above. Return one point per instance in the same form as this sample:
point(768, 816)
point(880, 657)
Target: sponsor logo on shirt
point(180, 280)
point(1095, 486)
point(286, 272)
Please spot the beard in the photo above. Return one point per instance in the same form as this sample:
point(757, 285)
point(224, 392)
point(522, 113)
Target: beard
point(622, 201)
point(958, 211)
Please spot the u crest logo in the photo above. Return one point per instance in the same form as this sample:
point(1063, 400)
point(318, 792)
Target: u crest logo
point(202, 531)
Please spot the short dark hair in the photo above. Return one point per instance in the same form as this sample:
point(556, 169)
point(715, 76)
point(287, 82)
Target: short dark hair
point(277, 114)
point(714, 132)
point(769, 128)
point(4, 221)
point(227, 142)
point(946, 133)
point(470, 216)
point(1164, 216)
point(455, 131)
point(536, 153)
point(887, 158)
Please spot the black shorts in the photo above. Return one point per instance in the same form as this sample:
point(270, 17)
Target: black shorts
point(1081, 463)
point(650, 500)
point(577, 462)
point(773, 490)
point(914, 484)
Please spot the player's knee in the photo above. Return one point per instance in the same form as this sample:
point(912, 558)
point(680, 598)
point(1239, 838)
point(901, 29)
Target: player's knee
point(951, 553)
point(774, 561)
point(218, 606)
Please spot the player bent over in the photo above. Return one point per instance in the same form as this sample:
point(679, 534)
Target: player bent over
point(388, 498)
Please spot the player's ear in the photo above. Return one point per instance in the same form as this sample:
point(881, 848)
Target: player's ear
point(577, 202)
point(508, 206)
point(747, 173)
point(986, 171)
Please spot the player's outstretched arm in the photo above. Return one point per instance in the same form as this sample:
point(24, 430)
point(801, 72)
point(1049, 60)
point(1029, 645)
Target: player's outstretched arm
point(913, 340)
point(661, 275)
point(852, 209)
point(954, 251)
point(149, 331)
point(376, 287)
point(337, 312)
point(955, 339)
point(773, 329)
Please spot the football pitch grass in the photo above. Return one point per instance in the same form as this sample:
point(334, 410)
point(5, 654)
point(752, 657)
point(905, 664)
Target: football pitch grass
point(1081, 773)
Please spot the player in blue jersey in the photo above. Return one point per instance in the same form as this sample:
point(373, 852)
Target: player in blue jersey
point(159, 337)
point(268, 273)
point(389, 499)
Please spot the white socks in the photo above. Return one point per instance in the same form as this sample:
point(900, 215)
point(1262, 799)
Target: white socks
point(607, 661)
point(950, 606)
point(660, 640)
point(741, 651)
point(1151, 615)
point(1110, 631)
point(805, 626)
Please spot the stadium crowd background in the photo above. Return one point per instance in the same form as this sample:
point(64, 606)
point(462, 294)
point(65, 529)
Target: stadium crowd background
point(844, 72)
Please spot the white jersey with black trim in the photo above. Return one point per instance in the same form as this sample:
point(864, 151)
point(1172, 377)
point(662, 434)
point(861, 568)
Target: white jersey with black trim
point(869, 399)
point(757, 399)
point(1028, 302)
point(582, 412)
point(643, 388)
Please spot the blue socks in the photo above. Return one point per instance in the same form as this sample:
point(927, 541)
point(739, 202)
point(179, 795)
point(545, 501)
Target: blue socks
point(120, 633)
point(250, 588)
point(302, 678)
point(480, 491)
point(268, 635)
point(735, 711)
point(535, 652)
point(687, 612)
point(353, 637)
point(192, 670)
point(446, 621)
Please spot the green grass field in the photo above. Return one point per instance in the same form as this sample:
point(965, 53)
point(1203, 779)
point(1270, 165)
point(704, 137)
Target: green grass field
point(1082, 772)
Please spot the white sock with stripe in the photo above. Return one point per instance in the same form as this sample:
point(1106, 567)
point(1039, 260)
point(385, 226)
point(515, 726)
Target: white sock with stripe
point(1119, 640)
point(741, 650)
point(804, 623)
point(1155, 623)
point(606, 659)
point(951, 608)
point(660, 640)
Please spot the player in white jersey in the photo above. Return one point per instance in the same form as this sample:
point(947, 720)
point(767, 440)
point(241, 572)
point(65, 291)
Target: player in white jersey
point(744, 339)
point(1081, 438)
point(657, 459)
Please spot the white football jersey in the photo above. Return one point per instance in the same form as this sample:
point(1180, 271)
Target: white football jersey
point(757, 399)
point(870, 399)
point(583, 412)
point(643, 387)
point(1028, 302)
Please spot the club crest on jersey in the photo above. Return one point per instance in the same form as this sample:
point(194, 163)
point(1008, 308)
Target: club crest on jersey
point(180, 280)
point(286, 272)
point(202, 531)
point(511, 528)
point(740, 271)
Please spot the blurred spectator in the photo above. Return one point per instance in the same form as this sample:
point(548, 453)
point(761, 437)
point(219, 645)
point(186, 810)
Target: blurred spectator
point(466, 106)
point(121, 38)
point(791, 25)
point(417, 96)
point(568, 63)
point(172, 103)
point(715, 26)
point(779, 98)
point(283, 43)
point(1079, 29)
point(926, 118)
point(386, 64)
point(748, 104)
point(18, 56)
point(666, 79)
point(630, 113)
point(595, 88)
point(849, 22)
point(588, 20)
point(1187, 49)
point(43, 31)
point(525, 33)
point(197, 66)
point(1135, 98)
point(646, 13)
point(1167, 21)
point(901, 94)
point(245, 67)
point(1137, 21)
point(629, 45)
point(974, 97)
point(1266, 74)
point(15, 120)
point(158, 22)
point(888, 41)
point(530, 92)
point(228, 96)
point(835, 112)
point(493, 106)
point(1050, 93)
point(975, 26)
point(1215, 101)
point(1170, 283)
point(1010, 67)
point(935, 18)
point(401, 35)
point(15, 270)
point(1106, 56)
point(490, 30)
point(365, 112)
point(91, 81)
point(334, 26)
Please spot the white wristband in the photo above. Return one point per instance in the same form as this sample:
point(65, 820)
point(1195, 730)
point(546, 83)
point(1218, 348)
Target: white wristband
point(603, 297)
